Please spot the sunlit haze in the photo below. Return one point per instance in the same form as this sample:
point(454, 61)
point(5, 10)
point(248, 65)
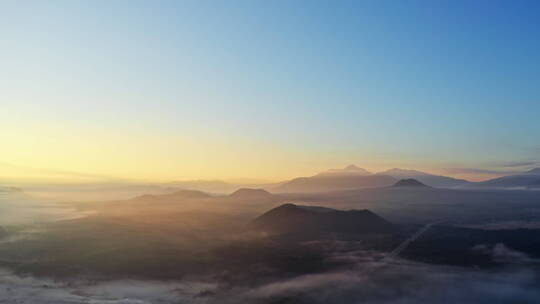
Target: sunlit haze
point(267, 90)
point(270, 151)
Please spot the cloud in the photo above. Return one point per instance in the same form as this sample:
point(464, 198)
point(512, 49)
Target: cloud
point(500, 253)
point(16, 210)
point(31, 290)
point(365, 281)
point(53, 172)
point(401, 284)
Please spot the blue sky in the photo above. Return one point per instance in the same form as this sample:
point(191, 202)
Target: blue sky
point(269, 89)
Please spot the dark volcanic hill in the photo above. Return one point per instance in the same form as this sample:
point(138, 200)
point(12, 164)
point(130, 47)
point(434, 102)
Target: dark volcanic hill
point(290, 218)
point(409, 182)
point(325, 183)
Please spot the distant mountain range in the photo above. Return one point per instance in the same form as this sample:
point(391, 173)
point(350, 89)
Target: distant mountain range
point(529, 179)
point(349, 170)
point(290, 218)
point(353, 177)
point(432, 180)
point(348, 178)
point(217, 186)
point(254, 200)
point(334, 182)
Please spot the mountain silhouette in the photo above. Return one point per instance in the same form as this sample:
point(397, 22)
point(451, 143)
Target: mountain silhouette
point(397, 172)
point(334, 182)
point(349, 170)
point(250, 193)
point(428, 179)
point(290, 218)
point(527, 179)
point(409, 182)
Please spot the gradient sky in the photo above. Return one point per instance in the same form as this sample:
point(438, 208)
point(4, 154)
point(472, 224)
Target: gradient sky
point(163, 90)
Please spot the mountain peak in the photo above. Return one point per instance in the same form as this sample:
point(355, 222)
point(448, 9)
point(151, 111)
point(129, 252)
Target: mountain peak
point(409, 182)
point(397, 172)
point(348, 170)
point(250, 193)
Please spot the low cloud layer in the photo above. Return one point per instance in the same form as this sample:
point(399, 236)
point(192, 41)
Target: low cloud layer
point(22, 210)
point(400, 284)
point(30, 290)
point(368, 282)
point(500, 253)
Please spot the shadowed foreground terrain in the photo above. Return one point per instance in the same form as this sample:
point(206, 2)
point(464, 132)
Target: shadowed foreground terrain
point(256, 247)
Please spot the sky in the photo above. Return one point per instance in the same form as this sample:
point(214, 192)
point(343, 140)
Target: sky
point(267, 90)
